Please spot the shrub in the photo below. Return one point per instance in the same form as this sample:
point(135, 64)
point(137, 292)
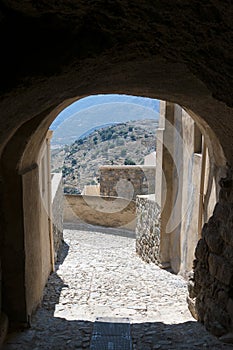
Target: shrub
point(123, 152)
point(133, 137)
point(120, 142)
point(129, 162)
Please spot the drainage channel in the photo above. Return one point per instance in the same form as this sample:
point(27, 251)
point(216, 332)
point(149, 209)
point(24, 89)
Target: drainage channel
point(111, 334)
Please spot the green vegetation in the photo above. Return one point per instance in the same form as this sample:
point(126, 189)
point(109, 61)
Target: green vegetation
point(123, 152)
point(129, 161)
point(121, 144)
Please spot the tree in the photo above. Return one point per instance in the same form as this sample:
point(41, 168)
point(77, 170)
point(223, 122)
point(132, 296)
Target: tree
point(129, 162)
point(80, 142)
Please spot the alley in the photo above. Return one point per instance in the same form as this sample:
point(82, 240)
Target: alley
point(99, 275)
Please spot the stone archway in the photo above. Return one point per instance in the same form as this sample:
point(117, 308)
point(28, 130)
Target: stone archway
point(22, 171)
point(170, 53)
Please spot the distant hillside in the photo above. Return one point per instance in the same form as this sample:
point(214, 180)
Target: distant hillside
point(87, 133)
point(94, 111)
point(125, 143)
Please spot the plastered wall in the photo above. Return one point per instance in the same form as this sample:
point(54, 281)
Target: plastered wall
point(185, 193)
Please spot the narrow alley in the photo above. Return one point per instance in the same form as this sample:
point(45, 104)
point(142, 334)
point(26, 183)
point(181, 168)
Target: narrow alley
point(99, 275)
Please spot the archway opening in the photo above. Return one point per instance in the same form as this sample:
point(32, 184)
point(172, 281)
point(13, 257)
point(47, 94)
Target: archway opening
point(31, 182)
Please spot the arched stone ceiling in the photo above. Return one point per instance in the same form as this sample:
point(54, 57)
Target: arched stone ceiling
point(179, 50)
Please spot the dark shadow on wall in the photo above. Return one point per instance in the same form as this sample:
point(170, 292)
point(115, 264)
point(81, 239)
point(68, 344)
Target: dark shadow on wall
point(56, 333)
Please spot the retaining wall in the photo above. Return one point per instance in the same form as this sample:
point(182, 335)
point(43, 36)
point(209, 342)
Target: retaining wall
point(127, 181)
point(147, 228)
point(100, 210)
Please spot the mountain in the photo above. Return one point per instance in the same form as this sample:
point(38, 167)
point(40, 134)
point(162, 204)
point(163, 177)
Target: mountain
point(94, 111)
point(87, 133)
point(125, 143)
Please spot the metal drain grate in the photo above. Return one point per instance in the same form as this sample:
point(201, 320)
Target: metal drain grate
point(111, 334)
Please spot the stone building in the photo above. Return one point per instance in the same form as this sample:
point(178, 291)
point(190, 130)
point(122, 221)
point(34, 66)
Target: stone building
point(126, 181)
point(150, 159)
point(180, 53)
point(169, 222)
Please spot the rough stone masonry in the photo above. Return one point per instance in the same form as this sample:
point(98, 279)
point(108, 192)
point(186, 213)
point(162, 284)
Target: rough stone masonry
point(212, 290)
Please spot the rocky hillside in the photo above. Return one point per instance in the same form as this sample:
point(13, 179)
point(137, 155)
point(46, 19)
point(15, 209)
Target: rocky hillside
point(97, 110)
point(125, 143)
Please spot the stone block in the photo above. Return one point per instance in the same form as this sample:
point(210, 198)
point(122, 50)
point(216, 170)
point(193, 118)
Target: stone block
point(230, 308)
point(228, 253)
point(221, 211)
point(222, 297)
point(201, 249)
point(192, 307)
point(227, 338)
point(147, 229)
point(227, 234)
point(142, 179)
point(202, 277)
point(213, 239)
point(220, 269)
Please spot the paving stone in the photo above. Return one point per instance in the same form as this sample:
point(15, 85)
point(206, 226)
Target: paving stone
point(103, 277)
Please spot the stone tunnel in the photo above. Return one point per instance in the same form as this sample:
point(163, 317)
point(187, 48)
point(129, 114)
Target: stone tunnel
point(53, 53)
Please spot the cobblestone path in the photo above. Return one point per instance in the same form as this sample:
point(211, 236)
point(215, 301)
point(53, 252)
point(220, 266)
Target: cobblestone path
point(100, 275)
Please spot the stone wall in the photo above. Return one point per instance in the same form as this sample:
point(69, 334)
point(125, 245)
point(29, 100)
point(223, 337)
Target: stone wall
point(37, 226)
point(185, 186)
point(211, 289)
point(91, 190)
point(57, 211)
point(127, 181)
point(99, 210)
point(147, 228)
point(118, 54)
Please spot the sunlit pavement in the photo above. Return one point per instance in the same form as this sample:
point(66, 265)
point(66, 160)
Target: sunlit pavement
point(100, 275)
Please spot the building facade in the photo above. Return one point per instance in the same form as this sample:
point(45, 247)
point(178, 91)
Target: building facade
point(185, 193)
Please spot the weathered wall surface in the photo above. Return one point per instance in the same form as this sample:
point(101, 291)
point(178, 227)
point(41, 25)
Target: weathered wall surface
point(150, 159)
point(190, 191)
point(148, 228)
point(35, 275)
point(212, 291)
point(37, 225)
point(127, 181)
point(184, 189)
point(100, 210)
point(179, 53)
point(91, 190)
point(57, 212)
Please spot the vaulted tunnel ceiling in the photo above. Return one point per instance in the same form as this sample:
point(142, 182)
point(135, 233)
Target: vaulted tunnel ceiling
point(180, 50)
